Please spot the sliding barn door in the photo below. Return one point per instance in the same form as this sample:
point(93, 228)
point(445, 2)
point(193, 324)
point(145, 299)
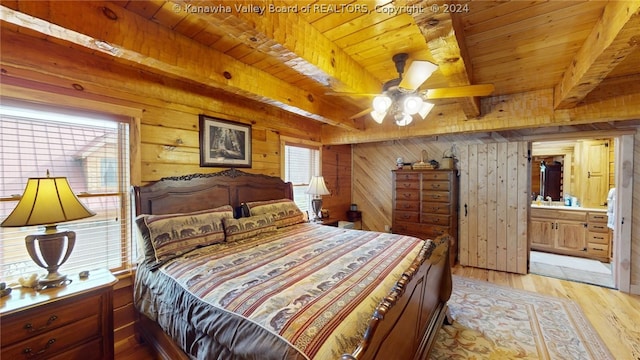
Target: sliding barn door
point(495, 197)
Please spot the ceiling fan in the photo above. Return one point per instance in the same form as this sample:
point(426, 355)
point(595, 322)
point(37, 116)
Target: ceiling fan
point(401, 97)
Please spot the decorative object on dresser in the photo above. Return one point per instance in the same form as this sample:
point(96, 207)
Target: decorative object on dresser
point(224, 143)
point(48, 201)
point(317, 188)
point(70, 322)
point(425, 205)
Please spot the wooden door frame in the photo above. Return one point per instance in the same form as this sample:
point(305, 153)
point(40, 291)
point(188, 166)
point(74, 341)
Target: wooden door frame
point(624, 150)
point(624, 160)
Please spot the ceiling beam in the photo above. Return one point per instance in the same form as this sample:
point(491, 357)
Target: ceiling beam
point(615, 35)
point(529, 110)
point(444, 36)
point(110, 29)
point(289, 38)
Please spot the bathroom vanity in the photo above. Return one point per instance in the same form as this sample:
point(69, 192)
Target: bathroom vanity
point(566, 230)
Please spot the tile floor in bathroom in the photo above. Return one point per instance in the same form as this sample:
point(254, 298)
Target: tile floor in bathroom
point(571, 268)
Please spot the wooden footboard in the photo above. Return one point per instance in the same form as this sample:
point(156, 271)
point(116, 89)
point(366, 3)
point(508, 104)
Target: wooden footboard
point(406, 322)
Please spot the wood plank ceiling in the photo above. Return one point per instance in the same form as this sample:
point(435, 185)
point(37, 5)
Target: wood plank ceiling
point(290, 54)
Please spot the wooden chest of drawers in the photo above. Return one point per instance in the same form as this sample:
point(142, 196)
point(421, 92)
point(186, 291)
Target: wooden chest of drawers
point(425, 204)
point(71, 322)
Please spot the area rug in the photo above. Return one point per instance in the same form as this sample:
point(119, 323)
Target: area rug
point(497, 322)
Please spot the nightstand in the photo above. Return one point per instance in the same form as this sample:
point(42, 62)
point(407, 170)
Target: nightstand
point(70, 322)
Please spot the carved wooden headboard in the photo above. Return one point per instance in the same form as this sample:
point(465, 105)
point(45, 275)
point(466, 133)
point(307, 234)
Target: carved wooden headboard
point(195, 192)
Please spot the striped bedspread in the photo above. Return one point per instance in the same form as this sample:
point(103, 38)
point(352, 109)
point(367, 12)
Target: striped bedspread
point(315, 287)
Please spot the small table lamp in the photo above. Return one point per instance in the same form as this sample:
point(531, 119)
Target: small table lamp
point(317, 187)
point(47, 201)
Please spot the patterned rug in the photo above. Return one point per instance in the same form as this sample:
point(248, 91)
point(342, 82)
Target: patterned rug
point(497, 322)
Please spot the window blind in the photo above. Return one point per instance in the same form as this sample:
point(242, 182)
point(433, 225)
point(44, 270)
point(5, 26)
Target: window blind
point(301, 163)
point(93, 153)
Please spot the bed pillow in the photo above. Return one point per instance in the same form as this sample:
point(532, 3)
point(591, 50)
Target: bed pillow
point(167, 236)
point(238, 229)
point(285, 212)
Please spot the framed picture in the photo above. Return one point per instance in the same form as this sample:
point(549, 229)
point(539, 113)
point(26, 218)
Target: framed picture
point(224, 143)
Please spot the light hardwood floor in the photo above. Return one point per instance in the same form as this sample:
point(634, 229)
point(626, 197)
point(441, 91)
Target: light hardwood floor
point(614, 315)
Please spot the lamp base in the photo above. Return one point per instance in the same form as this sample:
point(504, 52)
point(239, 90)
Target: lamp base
point(49, 281)
point(316, 206)
point(50, 250)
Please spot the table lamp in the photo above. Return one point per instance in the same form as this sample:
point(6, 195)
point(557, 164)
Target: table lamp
point(317, 188)
point(48, 201)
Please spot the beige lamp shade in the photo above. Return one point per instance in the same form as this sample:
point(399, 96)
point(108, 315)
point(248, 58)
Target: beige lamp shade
point(317, 186)
point(47, 201)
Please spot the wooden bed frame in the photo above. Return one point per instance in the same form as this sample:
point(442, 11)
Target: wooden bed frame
point(403, 326)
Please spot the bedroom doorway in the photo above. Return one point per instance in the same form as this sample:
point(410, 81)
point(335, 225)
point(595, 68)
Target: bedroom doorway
point(558, 252)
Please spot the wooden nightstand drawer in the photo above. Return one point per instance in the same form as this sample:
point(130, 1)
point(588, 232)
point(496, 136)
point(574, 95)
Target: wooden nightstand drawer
point(83, 352)
point(28, 325)
point(56, 341)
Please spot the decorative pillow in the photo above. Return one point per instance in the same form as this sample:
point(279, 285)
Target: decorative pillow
point(171, 235)
point(237, 229)
point(285, 212)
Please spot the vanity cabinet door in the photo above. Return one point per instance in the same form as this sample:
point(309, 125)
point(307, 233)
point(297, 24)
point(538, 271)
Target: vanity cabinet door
point(571, 236)
point(542, 234)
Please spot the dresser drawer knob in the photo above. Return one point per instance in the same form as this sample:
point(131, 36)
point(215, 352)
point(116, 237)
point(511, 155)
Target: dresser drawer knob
point(28, 352)
point(50, 321)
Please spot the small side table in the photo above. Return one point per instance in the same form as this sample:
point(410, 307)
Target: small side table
point(70, 322)
point(356, 218)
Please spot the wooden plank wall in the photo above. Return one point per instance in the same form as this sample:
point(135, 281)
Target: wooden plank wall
point(372, 165)
point(336, 170)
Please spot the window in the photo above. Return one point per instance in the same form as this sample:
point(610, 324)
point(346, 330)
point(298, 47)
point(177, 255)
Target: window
point(300, 164)
point(92, 151)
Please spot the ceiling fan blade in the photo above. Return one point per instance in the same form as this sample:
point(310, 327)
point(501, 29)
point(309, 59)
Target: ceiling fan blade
point(350, 94)
point(361, 113)
point(419, 71)
point(460, 91)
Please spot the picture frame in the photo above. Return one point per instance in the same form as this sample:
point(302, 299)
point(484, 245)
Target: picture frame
point(224, 143)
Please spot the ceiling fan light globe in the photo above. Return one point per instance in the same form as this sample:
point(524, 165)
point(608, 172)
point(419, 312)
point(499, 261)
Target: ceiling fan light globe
point(378, 116)
point(412, 104)
point(403, 119)
point(425, 109)
point(381, 103)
